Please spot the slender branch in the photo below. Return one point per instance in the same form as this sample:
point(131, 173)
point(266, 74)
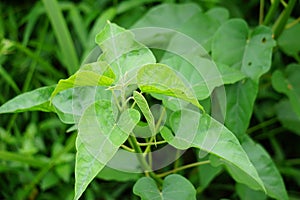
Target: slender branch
point(280, 23)
point(183, 167)
point(134, 143)
point(127, 148)
point(261, 125)
point(293, 23)
point(271, 13)
point(151, 143)
point(261, 11)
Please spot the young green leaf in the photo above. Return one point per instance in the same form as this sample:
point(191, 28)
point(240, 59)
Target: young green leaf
point(121, 51)
point(93, 74)
point(233, 46)
point(174, 187)
point(99, 138)
point(288, 83)
point(143, 105)
point(161, 79)
point(36, 100)
point(266, 169)
point(214, 138)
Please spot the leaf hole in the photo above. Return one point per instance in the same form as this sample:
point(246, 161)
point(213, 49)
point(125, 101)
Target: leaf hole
point(263, 40)
point(249, 63)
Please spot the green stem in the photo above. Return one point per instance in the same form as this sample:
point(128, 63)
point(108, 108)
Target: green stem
point(280, 23)
point(152, 143)
point(261, 11)
point(271, 12)
point(146, 168)
point(183, 167)
point(261, 125)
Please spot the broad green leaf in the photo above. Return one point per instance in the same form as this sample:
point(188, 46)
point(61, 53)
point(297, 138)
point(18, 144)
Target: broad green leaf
point(202, 83)
point(240, 99)
point(287, 116)
point(174, 187)
point(71, 103)
point(93, 74)
point(251, 53)
point(99, 138)
point(121, 51)
point(143, 105)
point(266, 169)
point(214, 138)
point(288, 82)
point(246, 193)
point(161, 79)
point(36, 100)
point(289, 41)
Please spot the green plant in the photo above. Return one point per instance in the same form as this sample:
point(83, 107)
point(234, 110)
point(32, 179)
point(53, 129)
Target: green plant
point(123, 102)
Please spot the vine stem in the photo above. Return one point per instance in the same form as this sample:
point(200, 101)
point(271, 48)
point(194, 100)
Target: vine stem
point(271, 13)
point(280, 23)
point(183, 167)
point(146, 168)
point(261, 11)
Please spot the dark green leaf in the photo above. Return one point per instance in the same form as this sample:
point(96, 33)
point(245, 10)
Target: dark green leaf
point(174, 187)
point(233, 46)
point(240, 99)
point(288, 83)
point(266, 169)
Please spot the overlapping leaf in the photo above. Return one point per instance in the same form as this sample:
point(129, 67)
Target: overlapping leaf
point(266, 169)
point(121, 50)
point(93, 74)
point(213, 137)
point(161, 79)
point(174, 187)
point(288, 83)
point(99, 138)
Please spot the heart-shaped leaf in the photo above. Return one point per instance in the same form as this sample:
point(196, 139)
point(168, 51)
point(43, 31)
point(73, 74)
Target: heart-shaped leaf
point(175, 187)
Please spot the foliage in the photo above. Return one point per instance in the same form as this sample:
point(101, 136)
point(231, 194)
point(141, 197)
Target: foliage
point(188, 101)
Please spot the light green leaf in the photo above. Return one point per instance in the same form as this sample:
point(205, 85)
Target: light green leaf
point(99, 138)
point(36, 100)
point(266, 169)
point(214, 138)
point(174, 187)
point(161, 79)
point(93, 74)
point(71, 103)
point(121, 51)
point(288, 82)
point(143, 105)
point(240, 99)
point(233, 46)
point(198, 78)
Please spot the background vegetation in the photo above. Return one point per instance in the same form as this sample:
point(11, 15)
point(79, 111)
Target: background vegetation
point(40, 45)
